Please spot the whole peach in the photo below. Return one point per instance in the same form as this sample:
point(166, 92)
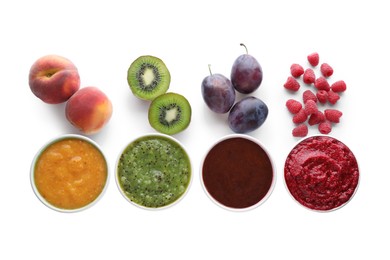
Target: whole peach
point(54, 79)
point(89, 109)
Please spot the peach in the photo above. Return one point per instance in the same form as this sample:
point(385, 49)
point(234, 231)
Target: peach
point(89, 109)
point(54, 79)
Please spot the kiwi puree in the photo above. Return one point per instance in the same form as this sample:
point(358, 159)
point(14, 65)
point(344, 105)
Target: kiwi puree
point(153, 171)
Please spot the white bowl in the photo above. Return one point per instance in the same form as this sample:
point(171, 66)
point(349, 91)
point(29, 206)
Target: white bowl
point(158, 136)
point(37, 157)
point(322, 154)
point(259, 146)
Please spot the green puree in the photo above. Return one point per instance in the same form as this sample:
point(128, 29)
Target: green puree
point(154, 171)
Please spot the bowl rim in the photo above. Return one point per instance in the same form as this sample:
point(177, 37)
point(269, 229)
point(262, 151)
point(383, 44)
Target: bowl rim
point(159, 135)
point(288, 190)
point(263, 147)
point(39, 153)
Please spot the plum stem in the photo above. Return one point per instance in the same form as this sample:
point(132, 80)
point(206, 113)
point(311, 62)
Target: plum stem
point(210, 69)
point(246, 49)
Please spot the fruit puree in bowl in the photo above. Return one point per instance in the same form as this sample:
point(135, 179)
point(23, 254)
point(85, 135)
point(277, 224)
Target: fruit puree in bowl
point(237, 173)
point(69, 173)
point(321, 173)
point(154, 171)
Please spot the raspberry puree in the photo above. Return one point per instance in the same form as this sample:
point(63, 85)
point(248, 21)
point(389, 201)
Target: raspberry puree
point(321, 173)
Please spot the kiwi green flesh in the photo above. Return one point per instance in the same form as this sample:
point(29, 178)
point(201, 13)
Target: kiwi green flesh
point(170, 113)
point(148, 77)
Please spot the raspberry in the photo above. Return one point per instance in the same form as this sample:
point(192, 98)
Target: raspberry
point(313, 59)
point(338, 86)
point(333, 97)
point(333, 115)
point(308, 76)
point(322, 84)
point(300, 130)
point(322, 96)
point(316, 118)
point(292, 84)
point(326, 70)
point(310, 107)
point(325, 127)
point(293, 106)
point(300, 117)
point(296, 70)
point(308, 95)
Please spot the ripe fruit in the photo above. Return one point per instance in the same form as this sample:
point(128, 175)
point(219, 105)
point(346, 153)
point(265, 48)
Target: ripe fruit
point(148, 77)
point(313, 59)
point(300, 130)
point(218, 93)
point(300, 117)
point(333, 115)
point(325, 127)
point(338, 86)
point(169, 113)
point(293, 106)
point(326, 70)
point(308, 95)
point(246, 74)
point(309, 76)
point(292, 84)
point(89, 110)
point(247, 115)
point(296, 70)
point(322, 84)
point(54, 79)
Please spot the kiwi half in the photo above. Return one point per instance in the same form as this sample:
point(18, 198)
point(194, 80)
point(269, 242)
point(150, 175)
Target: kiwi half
point(170, 113)
point(148, 77)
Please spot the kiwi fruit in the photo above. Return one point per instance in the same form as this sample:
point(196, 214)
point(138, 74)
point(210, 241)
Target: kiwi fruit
point(148, 77)
point(169, 113)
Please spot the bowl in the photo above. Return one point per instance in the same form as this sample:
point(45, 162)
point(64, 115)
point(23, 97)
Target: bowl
point(237, 173)
point(69, 173)
point(153, 171)
point(321, 173)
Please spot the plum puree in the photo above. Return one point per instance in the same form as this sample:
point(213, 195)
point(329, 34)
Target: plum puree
point(321, 173)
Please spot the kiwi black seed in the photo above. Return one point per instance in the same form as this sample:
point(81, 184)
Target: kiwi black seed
point(170, 113)
point(148, 77)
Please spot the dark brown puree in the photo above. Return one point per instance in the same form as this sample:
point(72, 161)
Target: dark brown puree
point(237, 173)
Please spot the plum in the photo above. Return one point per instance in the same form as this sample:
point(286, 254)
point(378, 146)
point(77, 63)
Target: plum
point(218, 93)
point(246, 74)
point(247, 115)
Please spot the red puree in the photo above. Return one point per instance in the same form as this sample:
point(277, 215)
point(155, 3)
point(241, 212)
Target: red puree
point(237, 173)
point(321, 173)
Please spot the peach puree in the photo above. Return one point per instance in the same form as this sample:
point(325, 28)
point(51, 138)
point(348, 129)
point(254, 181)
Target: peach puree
point(70, 173)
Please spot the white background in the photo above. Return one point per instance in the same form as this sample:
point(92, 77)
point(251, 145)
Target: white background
point(103, 37)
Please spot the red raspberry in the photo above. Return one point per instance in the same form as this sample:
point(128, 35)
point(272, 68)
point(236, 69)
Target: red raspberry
point(310, 107)
point(338, 86)
point(308, 76)
point(333, 97)
point(292, 84)
point(300, 117)
point(316, 118)
point(322, 96)
point(300, 130)
point(296, 70)
point(308, 95)
point(293, 106)
point(325, 127)
point(313, 59)
point(326, 70)
point(322, 84)
point(333, 115)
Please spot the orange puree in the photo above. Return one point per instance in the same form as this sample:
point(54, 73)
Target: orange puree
point(70, 173)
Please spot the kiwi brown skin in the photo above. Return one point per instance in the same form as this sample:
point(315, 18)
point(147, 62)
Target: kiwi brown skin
point(148, 77)
point(169, 113)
